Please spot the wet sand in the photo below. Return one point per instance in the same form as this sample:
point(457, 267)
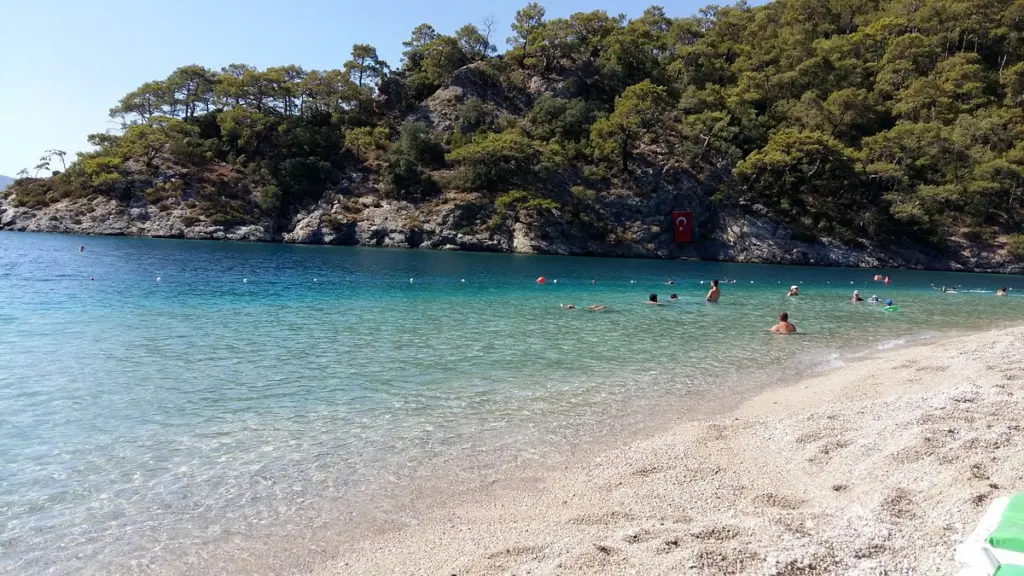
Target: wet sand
point(878, 467)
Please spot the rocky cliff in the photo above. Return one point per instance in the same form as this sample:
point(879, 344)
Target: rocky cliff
point(464, 222)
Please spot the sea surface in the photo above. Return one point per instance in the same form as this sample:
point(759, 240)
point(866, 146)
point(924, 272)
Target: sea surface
point(171, 406)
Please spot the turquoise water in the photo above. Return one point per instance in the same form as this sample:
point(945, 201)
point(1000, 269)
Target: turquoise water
point(211, 396)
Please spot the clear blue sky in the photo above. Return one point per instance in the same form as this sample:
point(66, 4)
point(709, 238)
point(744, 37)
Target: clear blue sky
point(65, 63)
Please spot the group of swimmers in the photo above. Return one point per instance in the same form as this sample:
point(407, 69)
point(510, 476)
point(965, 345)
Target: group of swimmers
point(783, 326)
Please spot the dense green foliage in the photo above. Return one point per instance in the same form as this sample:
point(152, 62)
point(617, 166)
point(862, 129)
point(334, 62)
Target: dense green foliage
point(885, 119)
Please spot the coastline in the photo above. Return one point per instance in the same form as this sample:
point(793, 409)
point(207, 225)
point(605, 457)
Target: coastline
point(881, 464)
point(727, 238)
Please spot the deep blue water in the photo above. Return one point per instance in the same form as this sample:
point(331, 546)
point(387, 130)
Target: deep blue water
point(192, 390)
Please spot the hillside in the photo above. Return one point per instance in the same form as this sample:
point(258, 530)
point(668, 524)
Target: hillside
point(849, 132)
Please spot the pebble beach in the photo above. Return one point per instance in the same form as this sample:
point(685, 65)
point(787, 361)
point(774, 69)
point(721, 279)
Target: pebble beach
point(878, 467)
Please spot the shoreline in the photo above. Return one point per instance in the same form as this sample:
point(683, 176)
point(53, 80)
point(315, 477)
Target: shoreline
point(860, 476)
point(690, 255)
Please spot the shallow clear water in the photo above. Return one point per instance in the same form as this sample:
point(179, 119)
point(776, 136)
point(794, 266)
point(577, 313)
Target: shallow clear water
point(212, 395)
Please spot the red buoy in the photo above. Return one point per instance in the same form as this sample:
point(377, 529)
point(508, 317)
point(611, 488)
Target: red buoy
point(542, 280)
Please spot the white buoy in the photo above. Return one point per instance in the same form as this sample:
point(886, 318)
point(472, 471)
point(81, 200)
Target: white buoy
point(244, 280)
point(555, 281)
point(463, 280)
point(751, 281)
point(410, 280)
point(157, 278)
point(315, 280)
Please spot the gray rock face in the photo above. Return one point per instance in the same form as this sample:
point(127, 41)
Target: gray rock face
point(630, 228)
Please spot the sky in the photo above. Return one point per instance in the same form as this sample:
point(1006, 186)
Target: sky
point(65, 63)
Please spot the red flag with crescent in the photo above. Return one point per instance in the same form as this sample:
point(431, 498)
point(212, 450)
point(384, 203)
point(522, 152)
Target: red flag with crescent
point(682, 226)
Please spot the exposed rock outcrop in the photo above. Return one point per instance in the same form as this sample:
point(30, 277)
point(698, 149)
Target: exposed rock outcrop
point(635, 229)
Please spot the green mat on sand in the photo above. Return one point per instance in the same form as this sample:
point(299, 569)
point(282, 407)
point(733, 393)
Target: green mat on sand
point(1009, 535)
point(1007, 570)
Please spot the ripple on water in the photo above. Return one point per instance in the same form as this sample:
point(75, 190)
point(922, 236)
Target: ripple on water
point(142, 421)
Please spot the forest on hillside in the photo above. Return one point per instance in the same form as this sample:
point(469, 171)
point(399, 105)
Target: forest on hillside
point(892, 120)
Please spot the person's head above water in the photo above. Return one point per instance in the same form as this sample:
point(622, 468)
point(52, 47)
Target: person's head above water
point(714, 283)
point(652, 298)
point(783, 317)
point(674, 297)
point(888, 302)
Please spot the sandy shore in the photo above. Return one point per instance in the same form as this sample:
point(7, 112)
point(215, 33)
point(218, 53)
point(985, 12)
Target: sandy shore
point(878, 467)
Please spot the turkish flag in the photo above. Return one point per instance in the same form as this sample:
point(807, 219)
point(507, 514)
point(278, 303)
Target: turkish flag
point(682, 226)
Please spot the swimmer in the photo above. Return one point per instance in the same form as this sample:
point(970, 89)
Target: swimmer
point(889, 302)
point(596, 308)
point(1001, 292)
point(81, 248)
point(878, 278)
point(784, 326)
point(674, 297)
point(794, 291)
point(856, 297)
point(568, 306)
point(653, 299)
point(92, 278)
point(886, 281)
point(714, 294)
point(670, 282)
point(874, 299)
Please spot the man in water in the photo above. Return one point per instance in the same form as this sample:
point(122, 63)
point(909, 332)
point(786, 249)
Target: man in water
point(1001, 292)
point(596, 308)
point(674, 297)
point(81, 248)
point(856, 297)
point(653, 299)
point(784, 326)
point(794, 291)
point(568, 306)
point(874, 299)
point(714, 294)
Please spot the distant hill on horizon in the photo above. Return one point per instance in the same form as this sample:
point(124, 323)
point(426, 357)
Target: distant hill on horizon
point(5, 181)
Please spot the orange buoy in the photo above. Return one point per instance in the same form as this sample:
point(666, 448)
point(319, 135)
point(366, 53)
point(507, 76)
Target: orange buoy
point(542, 280)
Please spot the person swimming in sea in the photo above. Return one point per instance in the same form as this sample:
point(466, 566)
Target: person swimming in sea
point(886, 281)
point(568, 306)
point(670, 282)
point(674, 297)
point(596, 308)
point(1001, 292)
point(794, 291)
point(653, 299)
point(81, 248)
point(856, 297)
point(784, 326)
point(714, 294)
point(878, 278)
point(874, 299)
